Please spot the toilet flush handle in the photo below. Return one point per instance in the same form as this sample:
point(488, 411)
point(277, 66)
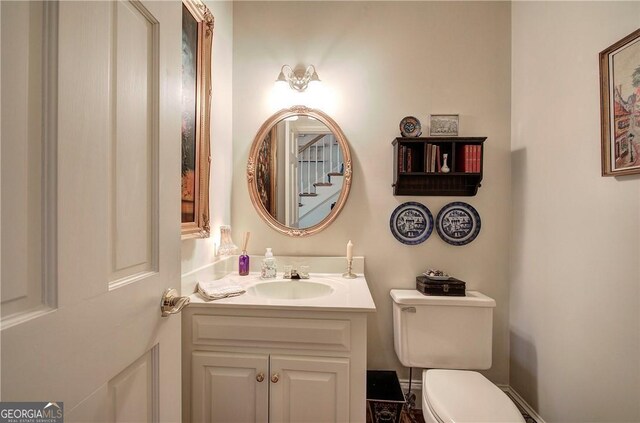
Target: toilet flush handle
point(409, 309)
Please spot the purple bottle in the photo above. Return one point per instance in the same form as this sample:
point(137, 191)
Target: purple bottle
point(243, 264)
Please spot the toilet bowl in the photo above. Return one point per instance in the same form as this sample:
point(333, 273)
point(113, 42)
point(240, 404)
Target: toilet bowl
point(464, 396)
point(451, 336)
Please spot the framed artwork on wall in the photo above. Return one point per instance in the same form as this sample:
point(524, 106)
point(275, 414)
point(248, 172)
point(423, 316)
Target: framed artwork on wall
point(197, 39)
point(266, 168)
point(620, 106)
point(443, 125)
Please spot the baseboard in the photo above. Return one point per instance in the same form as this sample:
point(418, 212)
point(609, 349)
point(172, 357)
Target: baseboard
point(416, 388)
point(521, 403)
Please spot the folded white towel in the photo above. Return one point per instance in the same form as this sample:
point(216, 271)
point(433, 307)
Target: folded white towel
point(216, 290)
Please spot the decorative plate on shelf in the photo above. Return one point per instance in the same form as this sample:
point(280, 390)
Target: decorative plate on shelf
point(410, 127)
point(458, 223)
point(411, 223)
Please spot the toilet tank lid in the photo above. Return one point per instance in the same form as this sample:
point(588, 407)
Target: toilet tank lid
point(414, 297)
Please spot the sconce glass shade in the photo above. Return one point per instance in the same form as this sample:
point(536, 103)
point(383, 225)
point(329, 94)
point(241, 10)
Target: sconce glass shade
point(298, 79)
point(227, 247)
point(281, 77)
point(314, 76)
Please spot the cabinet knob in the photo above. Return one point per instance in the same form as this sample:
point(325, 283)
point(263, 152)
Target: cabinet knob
point(275, 378)
point(260, 377)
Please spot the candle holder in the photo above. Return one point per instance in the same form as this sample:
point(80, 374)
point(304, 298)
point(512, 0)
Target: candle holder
point(349, 274)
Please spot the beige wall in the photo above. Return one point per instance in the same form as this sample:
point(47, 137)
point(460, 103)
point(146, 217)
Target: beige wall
point(386, 60)
point(575, 276)
point(199, 252)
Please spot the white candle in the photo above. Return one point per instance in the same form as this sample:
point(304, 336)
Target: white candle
point(349, 250)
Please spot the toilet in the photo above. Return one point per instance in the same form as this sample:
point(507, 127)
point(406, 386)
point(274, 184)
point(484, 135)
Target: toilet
point(451, 337)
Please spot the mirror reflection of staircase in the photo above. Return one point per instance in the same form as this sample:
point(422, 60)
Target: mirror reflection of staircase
point(320, 176)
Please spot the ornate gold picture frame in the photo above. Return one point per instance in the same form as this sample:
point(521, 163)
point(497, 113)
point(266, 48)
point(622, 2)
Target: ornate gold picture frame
point(620, 106)
point(197, 40)
point(266, 171)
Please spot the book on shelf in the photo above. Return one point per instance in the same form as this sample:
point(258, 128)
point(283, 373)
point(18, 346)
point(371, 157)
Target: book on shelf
point(409, 160)
point(476, 152)
point(472, 160)
point(468, 158)
point(427, 163)
point(434, 155)
point(463, 160)
point(438, 165)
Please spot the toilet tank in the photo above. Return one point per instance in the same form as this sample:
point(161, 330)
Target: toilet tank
point(443, 332)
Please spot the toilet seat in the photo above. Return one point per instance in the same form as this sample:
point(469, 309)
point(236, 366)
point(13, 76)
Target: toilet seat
point(459, 396)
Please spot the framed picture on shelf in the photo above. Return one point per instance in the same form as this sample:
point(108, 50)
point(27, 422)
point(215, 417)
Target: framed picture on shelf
point(620, 106)
point(443, 125)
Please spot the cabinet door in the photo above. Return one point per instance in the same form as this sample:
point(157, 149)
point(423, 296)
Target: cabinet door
point(229, 387)
point(309, 389)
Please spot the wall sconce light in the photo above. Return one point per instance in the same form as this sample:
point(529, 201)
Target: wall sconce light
point(298, 79)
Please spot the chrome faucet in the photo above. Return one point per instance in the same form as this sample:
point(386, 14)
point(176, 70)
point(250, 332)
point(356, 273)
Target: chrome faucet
point(291, 272)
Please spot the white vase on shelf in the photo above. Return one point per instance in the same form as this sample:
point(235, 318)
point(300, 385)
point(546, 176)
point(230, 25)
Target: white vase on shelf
point(444, 168)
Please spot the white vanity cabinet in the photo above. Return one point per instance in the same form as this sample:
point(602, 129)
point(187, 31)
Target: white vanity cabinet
point(273, 365)
point(230, 387)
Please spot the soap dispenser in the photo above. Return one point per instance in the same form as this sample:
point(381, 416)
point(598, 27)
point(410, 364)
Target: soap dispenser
point(268, 265)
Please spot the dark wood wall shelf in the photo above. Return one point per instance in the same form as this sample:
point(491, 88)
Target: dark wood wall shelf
point(416, 169)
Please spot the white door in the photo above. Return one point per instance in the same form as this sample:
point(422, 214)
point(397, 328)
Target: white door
point(230, 387)
point(309, 389)
point(292, 197)
point(90, 207)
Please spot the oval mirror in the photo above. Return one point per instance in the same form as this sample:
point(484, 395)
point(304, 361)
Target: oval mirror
point(299, 171)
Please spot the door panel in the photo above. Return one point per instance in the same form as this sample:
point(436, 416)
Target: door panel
point(226, 389)
point(309, 389)
point(133, 393)
point(111, 139)
point(22, 73)
point(134, 140)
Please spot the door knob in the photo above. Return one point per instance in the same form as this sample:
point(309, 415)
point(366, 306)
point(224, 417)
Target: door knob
point(172, 303)
point(260, 377)
point(275, 378)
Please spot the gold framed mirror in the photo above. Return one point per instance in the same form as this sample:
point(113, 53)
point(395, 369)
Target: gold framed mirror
point(197, 39)
point(299, 171)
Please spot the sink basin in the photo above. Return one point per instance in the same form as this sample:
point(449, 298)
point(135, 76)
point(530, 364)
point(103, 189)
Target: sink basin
point(290, 290)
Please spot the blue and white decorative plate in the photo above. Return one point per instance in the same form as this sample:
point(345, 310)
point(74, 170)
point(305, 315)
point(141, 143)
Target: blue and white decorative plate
point(410, 127)
point(458, 223)
point(411, 223)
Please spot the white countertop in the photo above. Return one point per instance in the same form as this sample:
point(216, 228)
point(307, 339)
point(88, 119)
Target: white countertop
point(350, 295)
